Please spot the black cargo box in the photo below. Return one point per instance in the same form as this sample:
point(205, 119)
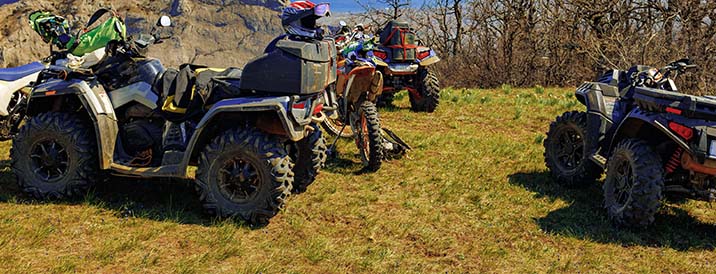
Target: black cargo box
point(697, 107)
point(295, 67)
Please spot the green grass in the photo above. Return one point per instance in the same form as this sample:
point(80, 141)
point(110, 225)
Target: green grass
point(472, 196)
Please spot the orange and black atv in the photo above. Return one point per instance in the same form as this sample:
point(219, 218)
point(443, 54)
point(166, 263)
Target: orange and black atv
point(404, 64)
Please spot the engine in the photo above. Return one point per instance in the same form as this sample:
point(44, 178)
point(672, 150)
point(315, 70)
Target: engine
point(141, 136)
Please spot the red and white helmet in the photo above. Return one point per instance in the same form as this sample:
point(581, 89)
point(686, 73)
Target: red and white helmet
point(299, 18)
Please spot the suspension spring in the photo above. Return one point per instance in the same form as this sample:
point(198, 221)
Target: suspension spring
point(675, 160)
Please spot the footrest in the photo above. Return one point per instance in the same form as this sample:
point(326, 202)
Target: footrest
point(599, 160)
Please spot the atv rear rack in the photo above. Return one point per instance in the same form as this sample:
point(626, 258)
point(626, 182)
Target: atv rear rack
point(657, 100)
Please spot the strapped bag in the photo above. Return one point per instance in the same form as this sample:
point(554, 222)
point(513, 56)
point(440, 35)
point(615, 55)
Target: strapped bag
point(400, 39)
point(98, 37)
point(186, 91)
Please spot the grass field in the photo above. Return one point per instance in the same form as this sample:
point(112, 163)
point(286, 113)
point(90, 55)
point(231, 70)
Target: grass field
point(473, 196)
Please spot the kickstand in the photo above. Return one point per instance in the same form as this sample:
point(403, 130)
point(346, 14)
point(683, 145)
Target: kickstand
point(331, 152)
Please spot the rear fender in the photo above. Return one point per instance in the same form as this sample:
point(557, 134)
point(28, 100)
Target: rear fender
point(55, 95)
point(271, 114)
point(647, 126)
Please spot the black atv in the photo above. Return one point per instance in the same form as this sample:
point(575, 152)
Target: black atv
point(651, 139)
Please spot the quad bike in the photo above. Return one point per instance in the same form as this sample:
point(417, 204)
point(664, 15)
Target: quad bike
point(253, 138)
point(406, 65)
point(651, 139)
point(351, 102)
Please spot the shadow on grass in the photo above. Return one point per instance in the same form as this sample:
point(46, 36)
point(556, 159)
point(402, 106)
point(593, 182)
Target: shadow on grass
point(585, 218)
point(157, 199)
point(337, 164)
point(391, 108)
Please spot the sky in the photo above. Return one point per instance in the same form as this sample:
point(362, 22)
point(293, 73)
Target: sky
point(352, 5)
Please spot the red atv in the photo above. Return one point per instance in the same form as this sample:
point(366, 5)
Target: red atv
point(404, 64)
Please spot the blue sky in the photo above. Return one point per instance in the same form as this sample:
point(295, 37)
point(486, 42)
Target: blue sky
point(351, 5)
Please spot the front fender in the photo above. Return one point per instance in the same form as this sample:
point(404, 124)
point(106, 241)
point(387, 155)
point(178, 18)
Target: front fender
point(429, 61)
point(379, 62)
point(96, 105)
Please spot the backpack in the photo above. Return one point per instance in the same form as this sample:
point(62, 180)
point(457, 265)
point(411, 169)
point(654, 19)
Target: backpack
point(400, 39)
point(98, 37)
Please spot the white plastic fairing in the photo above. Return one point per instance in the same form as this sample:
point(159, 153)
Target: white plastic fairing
point(7, 89)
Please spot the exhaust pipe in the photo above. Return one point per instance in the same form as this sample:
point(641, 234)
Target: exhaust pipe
point(688, 163)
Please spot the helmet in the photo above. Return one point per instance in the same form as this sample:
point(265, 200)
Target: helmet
point(299, 18)
point(52, 28)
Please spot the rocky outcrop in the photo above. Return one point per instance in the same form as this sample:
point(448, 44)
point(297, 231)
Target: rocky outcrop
point(214, 33)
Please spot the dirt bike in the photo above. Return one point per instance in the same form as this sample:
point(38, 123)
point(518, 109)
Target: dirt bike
point(350, 107)
point(650, 138)
point(14, 88)
point(252, 139)
point(405, 64)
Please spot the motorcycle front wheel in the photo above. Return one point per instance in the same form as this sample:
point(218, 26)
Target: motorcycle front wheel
point(366, 126)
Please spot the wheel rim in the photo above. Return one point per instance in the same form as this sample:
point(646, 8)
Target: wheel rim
point(239, 180)
point(568, 148)
point(623, 182)
point(49, 160)
point(364, 138)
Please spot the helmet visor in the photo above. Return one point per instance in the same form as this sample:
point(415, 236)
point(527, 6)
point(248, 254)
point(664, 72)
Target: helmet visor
point(323, 9)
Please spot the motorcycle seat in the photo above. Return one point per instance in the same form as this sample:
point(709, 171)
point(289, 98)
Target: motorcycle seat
point(17, 73)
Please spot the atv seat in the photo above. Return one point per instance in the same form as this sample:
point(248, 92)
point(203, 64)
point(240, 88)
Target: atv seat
point(17, 73)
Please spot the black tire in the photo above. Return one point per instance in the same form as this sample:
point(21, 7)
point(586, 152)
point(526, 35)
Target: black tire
point(567, 148)
point(263, 181)
point(54, 156)
point(310, 158)
point(428, 88)
point(635, 180)
point(368, 138)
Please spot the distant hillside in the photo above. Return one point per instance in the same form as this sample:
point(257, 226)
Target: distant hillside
point(211, 32)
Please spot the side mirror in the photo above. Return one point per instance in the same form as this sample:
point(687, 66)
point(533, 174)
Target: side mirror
point(164, 21)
